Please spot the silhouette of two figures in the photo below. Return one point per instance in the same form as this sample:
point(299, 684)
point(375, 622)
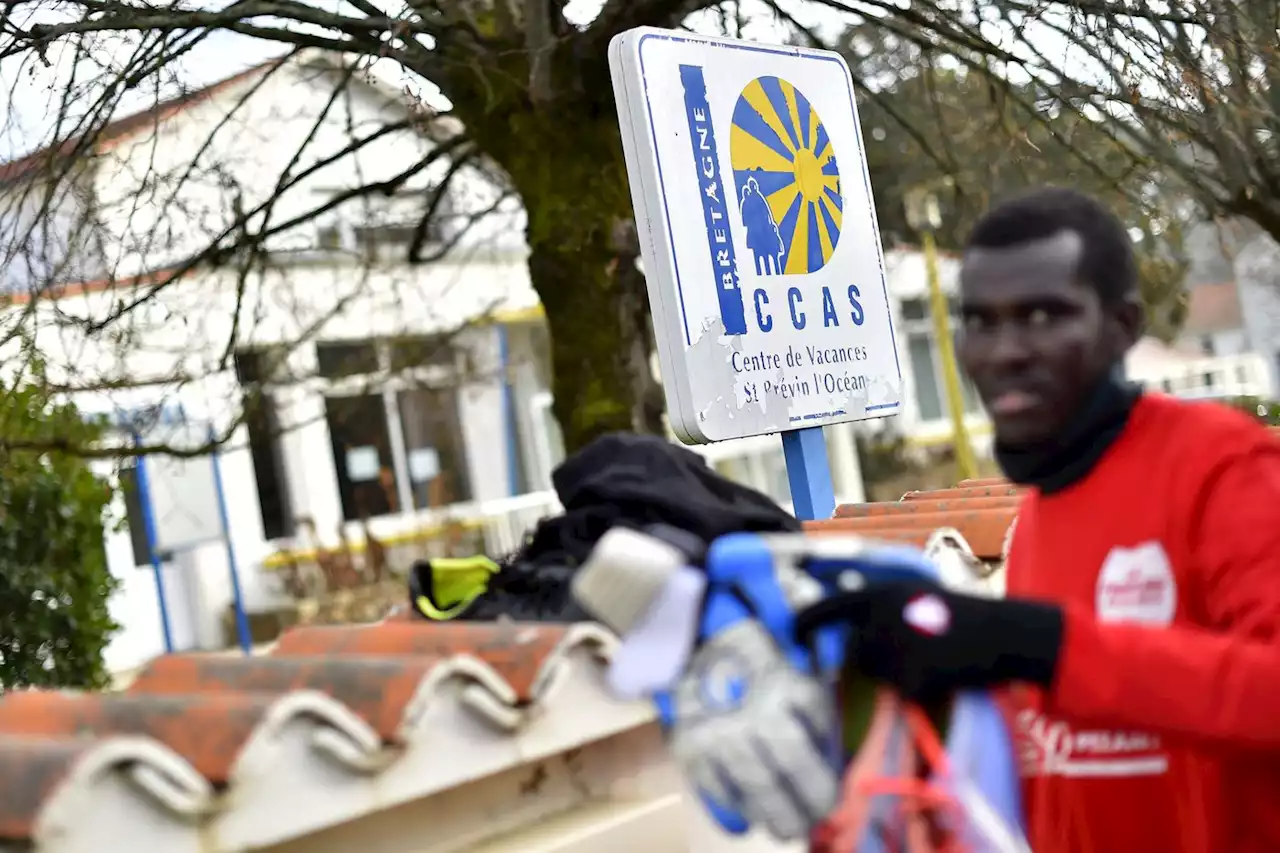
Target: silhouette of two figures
point(763, 238)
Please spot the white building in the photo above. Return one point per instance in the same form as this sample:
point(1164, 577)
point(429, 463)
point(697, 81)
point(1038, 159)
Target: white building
point(1213, 357)
point(1233, 312)
point(353, 384)
point(925, 418)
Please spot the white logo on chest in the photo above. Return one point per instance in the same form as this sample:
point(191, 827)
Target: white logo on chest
point(1137, 585)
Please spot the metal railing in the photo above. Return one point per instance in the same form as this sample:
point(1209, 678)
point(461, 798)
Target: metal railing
point(1211, 377)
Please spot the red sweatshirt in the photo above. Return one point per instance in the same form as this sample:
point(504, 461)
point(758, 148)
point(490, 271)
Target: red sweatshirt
point(1162, 731)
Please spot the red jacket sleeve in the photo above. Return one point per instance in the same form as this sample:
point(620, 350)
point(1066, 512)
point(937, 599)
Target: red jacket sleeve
point(1218, 685)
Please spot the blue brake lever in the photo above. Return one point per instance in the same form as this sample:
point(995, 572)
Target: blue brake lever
point(750, 563)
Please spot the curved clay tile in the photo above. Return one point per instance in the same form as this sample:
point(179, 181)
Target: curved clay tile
point(984, 530)
point(516, 651)
point(34, 770)
point(45, 782)
point(992, 491)
point(379, 690)
point(917, 506)
point(982, 481)
point(209, 730)
point(959, 568)
point(309, 725)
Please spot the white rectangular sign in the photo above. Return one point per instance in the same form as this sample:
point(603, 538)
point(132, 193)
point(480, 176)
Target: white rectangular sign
point(182, 491)
point(758, 231)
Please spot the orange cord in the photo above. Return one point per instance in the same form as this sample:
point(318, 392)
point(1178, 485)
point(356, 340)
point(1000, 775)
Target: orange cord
point(920, 802)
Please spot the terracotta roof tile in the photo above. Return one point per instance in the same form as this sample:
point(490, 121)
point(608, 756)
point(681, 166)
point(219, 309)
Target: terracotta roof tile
point(208, 730)
point(517, 652)
point(915, 507)
point(982, 481)
point(378, 690)
point(33, 768)
point(382, 693)
point(44, 782)
point(1000, 490)
point(983, 529)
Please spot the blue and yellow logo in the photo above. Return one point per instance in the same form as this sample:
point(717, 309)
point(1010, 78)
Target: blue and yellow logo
point(787, 180)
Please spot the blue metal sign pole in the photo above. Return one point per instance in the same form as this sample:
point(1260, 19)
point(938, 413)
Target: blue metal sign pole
point(149, 527)
point(237, 598)
point(509, 412)
point(809, 473)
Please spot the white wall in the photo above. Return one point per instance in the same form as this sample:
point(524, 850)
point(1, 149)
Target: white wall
point(485, 427)
point(197, 580)
point(1163, 369)
point(135, 605)
point(243, 147)
point(43, 227)
point(182, 333)
point(1230, 342)
point(908, 280)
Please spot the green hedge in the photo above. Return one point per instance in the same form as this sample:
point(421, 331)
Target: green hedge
point(54, 580)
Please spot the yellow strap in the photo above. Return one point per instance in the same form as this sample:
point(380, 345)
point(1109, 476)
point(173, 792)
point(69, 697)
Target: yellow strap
point(456, 581)
point(456, 564)
point(429, 610)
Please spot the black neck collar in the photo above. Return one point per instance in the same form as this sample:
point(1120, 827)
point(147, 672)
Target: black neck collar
point(1055, 465)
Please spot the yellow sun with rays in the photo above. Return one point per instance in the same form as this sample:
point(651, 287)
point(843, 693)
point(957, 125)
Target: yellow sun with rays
point(780, 149)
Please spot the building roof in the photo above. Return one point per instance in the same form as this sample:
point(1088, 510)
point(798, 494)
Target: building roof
point(1213, 308)
point(122, 129)
point(386, 713)
point(964, 530)
point(979, 510)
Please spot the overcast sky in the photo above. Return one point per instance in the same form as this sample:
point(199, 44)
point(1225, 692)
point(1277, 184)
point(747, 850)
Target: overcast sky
point(32, 91)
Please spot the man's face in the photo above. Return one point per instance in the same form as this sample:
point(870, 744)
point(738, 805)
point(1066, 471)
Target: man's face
point(1035, 341)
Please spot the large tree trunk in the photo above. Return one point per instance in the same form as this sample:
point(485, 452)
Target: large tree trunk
point(564, 156)
point(648, 402)
point(566, 162)
point(598, 313)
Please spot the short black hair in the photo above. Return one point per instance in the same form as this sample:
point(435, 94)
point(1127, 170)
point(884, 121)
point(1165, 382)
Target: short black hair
point(1108, 264)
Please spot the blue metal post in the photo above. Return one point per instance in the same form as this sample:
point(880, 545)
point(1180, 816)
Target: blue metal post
point(509, 414)
point(149, 527)
point(237, 597)
point(809, 473)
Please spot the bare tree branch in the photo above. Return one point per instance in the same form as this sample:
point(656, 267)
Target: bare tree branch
point(1190, 91)
point(241, 240)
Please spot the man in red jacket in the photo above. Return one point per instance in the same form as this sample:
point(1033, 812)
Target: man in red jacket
point(1140, 632)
